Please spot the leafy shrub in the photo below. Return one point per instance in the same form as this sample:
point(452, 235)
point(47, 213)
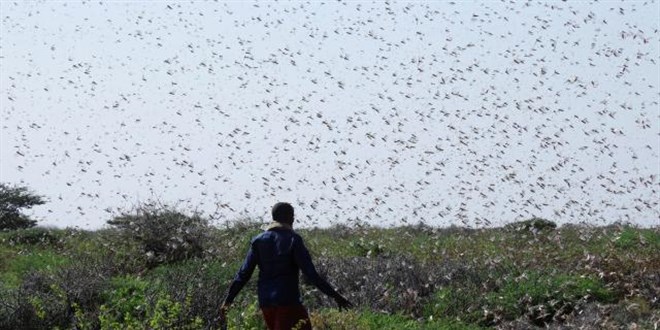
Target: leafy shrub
point(125, 304)
point(460, 303)
point(168, 314)
point(165, 234)
point(35, 236)
point(544, 297)
point(131, 303)
point(197, 285)
point(368, 248)
point(508, 295)
point(247, 318)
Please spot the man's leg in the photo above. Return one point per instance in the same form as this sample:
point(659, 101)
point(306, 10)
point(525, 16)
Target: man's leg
point(287, 318)
point(270, 317)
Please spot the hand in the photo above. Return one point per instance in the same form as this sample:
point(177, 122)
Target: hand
point(223, 310)
point(343, 303)
point(223, 316)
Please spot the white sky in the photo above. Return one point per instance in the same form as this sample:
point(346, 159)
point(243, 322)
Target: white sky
point(392, 113)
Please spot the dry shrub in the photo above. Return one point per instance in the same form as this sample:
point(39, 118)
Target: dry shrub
point(34, 305)
point(67, 296)
point(165, 234)
point(394, 284)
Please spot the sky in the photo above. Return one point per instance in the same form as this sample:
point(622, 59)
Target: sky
point(386, 113)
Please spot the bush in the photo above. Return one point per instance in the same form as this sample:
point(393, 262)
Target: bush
point(198, 286)
point(125, 303)
point(12, 200)
point(544, 297)
point(393, 284)
point(632, 238)
point(35, 236)
point(249, 317)
point(532, 225)
point(457, 302)
point(36, 304)
point(83, 281)
point(131, 303)
point(22, 264)
point(165, 234)
point(67, 296)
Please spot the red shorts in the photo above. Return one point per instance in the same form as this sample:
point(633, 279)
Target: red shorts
point(287, 317)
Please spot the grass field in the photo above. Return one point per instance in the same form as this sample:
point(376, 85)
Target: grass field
point(417, 277)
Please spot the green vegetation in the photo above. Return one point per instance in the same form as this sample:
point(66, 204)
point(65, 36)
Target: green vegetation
point(631, 238)
point(14, 269)
point(163, 269)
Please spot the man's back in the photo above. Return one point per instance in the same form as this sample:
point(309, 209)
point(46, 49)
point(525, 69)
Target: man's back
point(280, 254)
point(278, 271)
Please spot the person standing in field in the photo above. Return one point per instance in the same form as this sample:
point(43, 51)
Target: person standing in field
point(281, 254)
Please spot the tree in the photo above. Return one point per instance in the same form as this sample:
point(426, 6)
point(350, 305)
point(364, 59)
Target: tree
point(12, 200)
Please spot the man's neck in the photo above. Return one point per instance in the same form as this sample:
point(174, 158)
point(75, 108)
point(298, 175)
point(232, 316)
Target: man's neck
point(275, 224)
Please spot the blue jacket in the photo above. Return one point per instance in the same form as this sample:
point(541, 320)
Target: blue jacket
point(280, 254)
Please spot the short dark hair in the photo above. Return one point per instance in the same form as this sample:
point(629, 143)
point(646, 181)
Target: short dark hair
point(283, 212)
